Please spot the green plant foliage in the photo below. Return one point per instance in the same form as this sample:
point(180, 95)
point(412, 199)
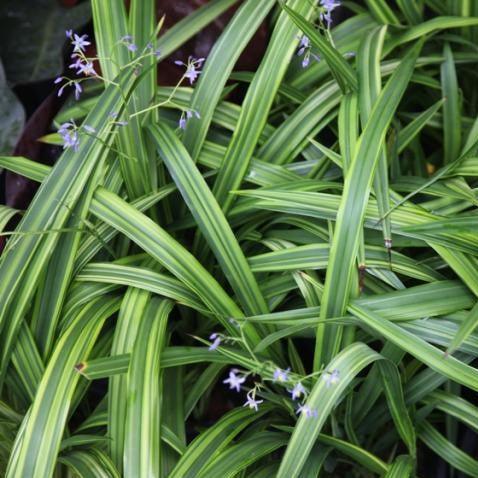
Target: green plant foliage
point(284, 285)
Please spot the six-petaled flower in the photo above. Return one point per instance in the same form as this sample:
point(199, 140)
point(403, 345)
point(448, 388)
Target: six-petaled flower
point(235, 381)
point(79, 42)
point(281, 375)
point(298, 391)
point(251, 402)
point(191, 68)
point(331, 378)
point(69, 135)
point(306, 411)
point(86, 69)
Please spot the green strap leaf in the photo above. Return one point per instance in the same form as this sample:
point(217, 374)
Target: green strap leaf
point(209, 218)
point(322, 398)
point(143, 422)
point(354, 201)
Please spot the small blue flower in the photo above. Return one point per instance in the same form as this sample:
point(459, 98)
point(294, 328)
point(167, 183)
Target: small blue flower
point(234, 380)
point(191, 68)
point(187, 115)
point(128, 41)
point(76, 63)
point(251, 402)
point(328, 6)
point(331, 378)
point(306, 411)
point(69, 135)
point(217, 340)
point(80, 43)
point(157, 53)
point(78, 90)
point(298, 391)
point(281, 375)
point(86, 69)
point(303, 45)
point(69, 33)
point(304, 49)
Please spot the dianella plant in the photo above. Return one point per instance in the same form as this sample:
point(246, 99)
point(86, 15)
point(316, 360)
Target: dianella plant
point(269, 273)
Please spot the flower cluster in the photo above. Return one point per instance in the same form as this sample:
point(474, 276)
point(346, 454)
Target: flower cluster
point(305, 51)
point(82, 65)
point(298, 392)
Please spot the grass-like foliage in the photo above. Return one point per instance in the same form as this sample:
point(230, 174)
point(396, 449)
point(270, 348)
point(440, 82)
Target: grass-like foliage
point(283, 285)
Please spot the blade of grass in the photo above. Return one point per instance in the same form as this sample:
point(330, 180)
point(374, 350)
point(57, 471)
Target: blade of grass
point(218, 67)
point(209, 218)
point(451, 108)
point(353, 204)
point(143, 422)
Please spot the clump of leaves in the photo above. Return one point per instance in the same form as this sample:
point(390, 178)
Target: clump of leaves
point(312, 249)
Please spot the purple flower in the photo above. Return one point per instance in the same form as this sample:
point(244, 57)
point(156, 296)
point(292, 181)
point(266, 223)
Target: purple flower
point(185, 116)
point(60, 91)
point(234, 380)
point(304, 49)
point(191, 73)
point(297, 391)
point(157, 53)
point(304, 45)
point(78, 90)
point(86, 69)
point(217, 340)
point(80, 43)
point(69, 134)
point(306, 411)
point(251, 402)
point(77, 62)
point(127, 38)
point(281, 375)
point(58, 80)
point(191, 68)
point(328, 6)
point(331, 378)
point(69, 33)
